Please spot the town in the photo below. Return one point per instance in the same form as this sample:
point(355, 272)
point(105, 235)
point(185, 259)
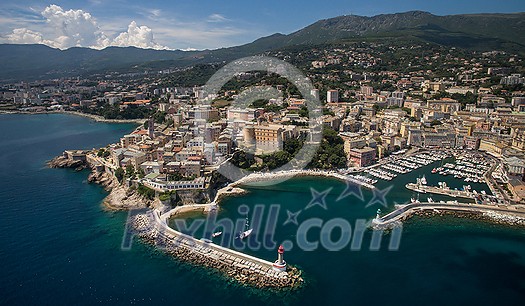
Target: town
point(381, 104)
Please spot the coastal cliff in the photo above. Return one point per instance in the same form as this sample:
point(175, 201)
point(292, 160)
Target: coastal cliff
point(120, 197)
point(64, 162)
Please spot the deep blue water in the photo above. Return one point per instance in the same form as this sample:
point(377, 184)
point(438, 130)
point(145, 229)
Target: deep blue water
point(59, 246)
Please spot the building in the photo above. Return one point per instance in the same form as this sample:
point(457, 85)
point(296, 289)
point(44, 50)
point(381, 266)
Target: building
point(246, 114)
point(491, 146)
point(354, 143)
point(151, 128)
point(332, 96)
point(516, 166)
point(198, 183)
point(518, 141)
point(367, 90)
point(363, 157)
point(445, 105)
point(264, 138)
point(471, 142)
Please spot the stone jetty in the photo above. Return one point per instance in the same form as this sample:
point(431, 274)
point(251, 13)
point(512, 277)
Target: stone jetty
point(246, 269)
point(509, 215)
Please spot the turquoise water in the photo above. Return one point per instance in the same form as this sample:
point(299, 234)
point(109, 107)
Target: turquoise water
point(58, 245)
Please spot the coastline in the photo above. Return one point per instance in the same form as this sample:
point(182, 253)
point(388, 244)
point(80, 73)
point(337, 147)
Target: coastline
point(258, 178)
point(152, 227)
point(96, 118)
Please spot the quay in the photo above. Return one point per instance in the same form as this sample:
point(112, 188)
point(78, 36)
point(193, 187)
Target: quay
point(152, 226)
point(403, 212)
point(443, 191)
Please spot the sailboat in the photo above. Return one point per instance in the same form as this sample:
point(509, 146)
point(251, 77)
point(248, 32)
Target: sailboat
point(247, 232)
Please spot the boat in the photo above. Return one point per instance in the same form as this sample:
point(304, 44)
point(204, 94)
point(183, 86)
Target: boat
point(247, 232)
point(430, 200)
point(423, 180)
point(216, 234)
point(434, 170)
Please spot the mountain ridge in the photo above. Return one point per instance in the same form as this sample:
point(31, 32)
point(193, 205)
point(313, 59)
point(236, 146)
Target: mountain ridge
point(470, 31)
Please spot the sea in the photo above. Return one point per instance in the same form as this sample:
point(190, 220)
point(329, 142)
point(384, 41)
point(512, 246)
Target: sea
point(58, 245)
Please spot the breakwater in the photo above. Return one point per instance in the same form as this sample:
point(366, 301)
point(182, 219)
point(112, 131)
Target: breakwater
point(503, 215)
point(248, 270)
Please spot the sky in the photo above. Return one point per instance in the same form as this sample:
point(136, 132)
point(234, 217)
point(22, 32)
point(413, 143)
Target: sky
point(197, 24)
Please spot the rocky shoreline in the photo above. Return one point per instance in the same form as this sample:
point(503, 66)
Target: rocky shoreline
point(492, 217)
point(63, 162)
point(228, 266)
point(237, 270)
point(119, 198)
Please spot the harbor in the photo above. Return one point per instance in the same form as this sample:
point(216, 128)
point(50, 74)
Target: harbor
point(397, 166)
point(151, 226)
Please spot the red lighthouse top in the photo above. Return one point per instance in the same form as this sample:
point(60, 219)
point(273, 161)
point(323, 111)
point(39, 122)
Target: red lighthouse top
point(281, 249)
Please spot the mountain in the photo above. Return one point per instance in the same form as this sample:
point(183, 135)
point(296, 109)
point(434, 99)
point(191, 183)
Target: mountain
point(40, 61)
point(474, 31)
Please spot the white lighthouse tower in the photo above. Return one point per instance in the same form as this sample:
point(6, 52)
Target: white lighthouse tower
point(280, 264)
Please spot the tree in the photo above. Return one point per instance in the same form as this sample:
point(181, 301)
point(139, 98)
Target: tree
point(141, 173)
point(119, 174)
point(130, 171)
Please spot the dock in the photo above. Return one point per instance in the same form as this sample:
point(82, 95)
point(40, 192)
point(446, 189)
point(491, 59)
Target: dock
point(443, 191)
point(152, 226)
point(403, 212)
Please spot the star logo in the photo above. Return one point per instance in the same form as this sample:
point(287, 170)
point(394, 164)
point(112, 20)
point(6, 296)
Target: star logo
point(379, 196)
point(318, 198)
point(352, 189)
point(292, 217)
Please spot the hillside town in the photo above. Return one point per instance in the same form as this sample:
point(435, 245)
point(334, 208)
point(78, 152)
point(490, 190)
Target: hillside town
point(380, 102)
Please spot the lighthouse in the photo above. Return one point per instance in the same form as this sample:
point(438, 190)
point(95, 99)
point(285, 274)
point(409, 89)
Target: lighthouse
point(378, 213)
point(280, 264)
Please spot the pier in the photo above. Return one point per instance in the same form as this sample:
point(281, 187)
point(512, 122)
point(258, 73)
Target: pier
point(152, 226)
point(443, 191)
point(405, 211)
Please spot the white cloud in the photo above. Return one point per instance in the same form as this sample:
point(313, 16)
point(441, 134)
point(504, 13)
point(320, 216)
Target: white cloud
point(151, 28)
point(77, 28)
point(138, 36)
point(74, 28)
point(217, 18)
point(25, 36)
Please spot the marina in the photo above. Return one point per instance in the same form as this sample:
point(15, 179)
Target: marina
point(399, 165)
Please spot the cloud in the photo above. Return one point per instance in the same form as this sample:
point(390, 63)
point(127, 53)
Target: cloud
point(138, 36)
point(25, 36)
point(77, 28)
point(148, 28)
point(74, 28)
point(217, 18)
